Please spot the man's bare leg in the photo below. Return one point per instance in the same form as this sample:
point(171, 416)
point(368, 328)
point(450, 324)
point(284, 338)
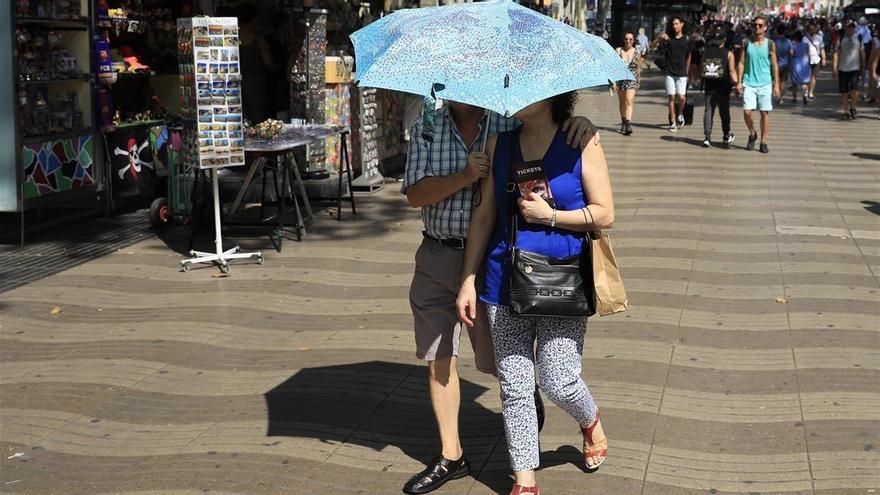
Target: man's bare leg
point(765, 124)
point(445, 392)
point(680, 102)
point(750, 121)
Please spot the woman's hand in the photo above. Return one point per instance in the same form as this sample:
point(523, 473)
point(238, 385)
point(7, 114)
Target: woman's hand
point(534, 209)
point(466, 303)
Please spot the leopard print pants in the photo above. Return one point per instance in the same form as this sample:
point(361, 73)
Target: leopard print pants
point(560, 344)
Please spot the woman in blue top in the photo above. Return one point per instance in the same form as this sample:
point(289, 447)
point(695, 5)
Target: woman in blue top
point(580, 186)
point(783, 57)
point(801, 72)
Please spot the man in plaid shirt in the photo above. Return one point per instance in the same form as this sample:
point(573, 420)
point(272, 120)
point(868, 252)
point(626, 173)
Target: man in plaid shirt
point(441, 177)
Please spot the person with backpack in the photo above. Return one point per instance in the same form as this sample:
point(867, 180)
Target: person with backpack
point(675, 49)
point(784, 52)
point(759, 82)
point(719, 78)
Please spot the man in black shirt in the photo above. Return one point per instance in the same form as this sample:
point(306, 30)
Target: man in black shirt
point(677, 49)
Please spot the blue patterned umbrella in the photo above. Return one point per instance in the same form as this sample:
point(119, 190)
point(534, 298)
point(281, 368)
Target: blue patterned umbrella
point(496, 55)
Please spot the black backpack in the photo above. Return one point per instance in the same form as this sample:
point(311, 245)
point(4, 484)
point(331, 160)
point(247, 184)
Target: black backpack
point(714, 66)
point(661, 56)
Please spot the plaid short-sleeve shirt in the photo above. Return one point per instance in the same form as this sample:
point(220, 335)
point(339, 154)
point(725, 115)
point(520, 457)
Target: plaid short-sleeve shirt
point(447, 155)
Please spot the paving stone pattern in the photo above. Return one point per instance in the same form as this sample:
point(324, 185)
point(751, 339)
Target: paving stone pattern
point(748, 363)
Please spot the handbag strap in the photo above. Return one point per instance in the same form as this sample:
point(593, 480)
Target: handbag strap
point(512, 189)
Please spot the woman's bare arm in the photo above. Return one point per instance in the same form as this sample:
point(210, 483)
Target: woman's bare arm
point(597, 185)
point(482, 224)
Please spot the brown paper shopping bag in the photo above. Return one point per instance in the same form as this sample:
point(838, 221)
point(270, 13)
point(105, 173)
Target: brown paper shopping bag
point(610, 294)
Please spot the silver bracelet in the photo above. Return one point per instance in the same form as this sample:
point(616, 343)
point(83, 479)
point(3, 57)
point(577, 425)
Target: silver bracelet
point(553, 218)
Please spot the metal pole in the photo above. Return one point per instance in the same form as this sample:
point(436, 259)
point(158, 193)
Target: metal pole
point(218, 238)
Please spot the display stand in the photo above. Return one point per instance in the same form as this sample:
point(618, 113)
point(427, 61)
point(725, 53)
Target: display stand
point(220, 257)
point(136, 72)
point(365, 139)
point(210, 76)
point(49, 126)
point(308, 42)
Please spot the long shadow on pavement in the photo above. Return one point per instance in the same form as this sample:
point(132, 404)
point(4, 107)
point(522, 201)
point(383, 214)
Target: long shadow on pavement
point(872, 206)
point(867, 156)
point(378, 404)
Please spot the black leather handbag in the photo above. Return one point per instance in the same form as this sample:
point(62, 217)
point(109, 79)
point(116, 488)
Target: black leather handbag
point(545, 286)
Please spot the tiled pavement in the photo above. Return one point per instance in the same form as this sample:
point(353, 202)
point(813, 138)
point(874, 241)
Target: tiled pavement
point(749, 362)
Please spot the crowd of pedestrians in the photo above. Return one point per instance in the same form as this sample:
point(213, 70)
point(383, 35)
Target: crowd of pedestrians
point(764, 60)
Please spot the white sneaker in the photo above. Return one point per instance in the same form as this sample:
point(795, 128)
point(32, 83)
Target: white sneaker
point(707, 143)
point(681, 120)
point(673, 128)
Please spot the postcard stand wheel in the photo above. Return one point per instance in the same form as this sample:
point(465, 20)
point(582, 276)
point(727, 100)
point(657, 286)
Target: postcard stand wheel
point(220, 258)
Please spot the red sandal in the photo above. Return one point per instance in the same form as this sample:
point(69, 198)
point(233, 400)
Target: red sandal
point(520, 490)
point(591, 450)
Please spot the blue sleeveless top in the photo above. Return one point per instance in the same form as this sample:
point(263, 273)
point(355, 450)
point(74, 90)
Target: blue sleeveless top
point(562, 165)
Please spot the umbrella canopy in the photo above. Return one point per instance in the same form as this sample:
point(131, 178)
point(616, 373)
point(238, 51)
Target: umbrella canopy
point(496, 55)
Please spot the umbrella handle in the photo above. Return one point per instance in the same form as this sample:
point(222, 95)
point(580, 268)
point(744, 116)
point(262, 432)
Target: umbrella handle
point(485, 131)
point(477, 197)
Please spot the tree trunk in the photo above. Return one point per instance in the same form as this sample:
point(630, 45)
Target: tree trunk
point(604, 8)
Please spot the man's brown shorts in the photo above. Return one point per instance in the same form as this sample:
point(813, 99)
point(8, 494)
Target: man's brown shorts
point(432, 297)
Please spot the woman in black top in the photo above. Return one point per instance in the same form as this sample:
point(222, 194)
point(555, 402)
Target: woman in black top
point(626, 89)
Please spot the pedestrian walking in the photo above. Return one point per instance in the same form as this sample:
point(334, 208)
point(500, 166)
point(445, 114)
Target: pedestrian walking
point(873, 67)
point(847, 64)
point(801, 71)
point(759, 83)
point(676, 49)
point(698, 43)
point(719, 78)
point(626, 89)
point(440, 177)
point(557, 231)
point(736, 39)
point(642, 44)
point(784, 53)
point(867, 37)
point(817, 55)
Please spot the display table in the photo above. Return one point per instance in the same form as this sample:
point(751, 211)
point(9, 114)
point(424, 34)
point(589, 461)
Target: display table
point(277, 151)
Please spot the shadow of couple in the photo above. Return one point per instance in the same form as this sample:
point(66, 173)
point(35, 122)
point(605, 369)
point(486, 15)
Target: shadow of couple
point(380, 404)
